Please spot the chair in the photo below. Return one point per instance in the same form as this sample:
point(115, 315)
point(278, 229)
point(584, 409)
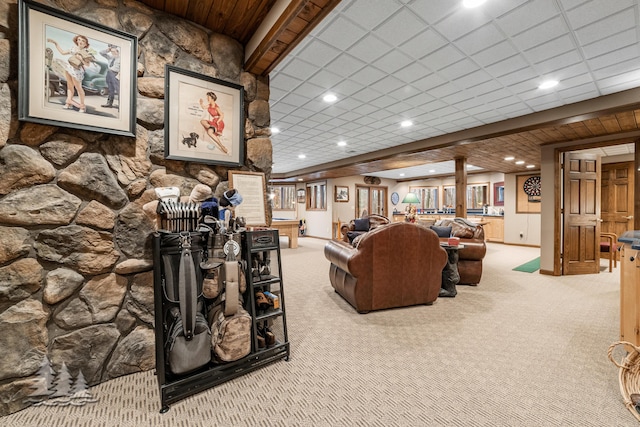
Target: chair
point(610, 247)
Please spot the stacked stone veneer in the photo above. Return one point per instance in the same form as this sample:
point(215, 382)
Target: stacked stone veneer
point(76, 264)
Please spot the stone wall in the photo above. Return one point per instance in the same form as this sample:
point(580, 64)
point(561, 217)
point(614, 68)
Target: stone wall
point(76, 285)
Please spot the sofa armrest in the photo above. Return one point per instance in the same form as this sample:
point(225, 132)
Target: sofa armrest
point(339, 253)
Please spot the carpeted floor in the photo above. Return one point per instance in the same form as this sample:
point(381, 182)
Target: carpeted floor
point(518, 350)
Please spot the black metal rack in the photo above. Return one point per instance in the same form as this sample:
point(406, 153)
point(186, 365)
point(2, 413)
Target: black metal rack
point(173, 387)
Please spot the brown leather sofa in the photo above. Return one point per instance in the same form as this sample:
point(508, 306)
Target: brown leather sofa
point(394, 265)
point(358, 226)
point(471, 255)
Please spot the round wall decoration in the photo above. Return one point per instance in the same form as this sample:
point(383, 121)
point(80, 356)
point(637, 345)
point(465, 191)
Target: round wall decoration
point(395, 198)
point(531, 186)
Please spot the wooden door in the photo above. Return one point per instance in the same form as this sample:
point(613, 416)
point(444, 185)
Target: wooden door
point(372, 199)
point(581, 235)
point(617, 198)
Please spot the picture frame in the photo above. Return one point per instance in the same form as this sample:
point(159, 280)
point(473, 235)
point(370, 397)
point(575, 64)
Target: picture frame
point(66, 72)
point(253, 189)
point(199, 127)
point(301, 195)
point(341, 193)
point(498, 193)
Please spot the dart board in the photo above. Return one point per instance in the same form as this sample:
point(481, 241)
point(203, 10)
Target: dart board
point(531, 186)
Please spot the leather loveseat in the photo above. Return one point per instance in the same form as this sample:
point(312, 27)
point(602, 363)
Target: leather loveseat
point(359, 226)
point(394, 265)
point(471, 255)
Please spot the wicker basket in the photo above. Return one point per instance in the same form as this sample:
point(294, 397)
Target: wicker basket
point(629, 373)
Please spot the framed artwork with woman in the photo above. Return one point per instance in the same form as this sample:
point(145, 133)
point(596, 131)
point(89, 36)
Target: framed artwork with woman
point(204, 118)
point(74, 72)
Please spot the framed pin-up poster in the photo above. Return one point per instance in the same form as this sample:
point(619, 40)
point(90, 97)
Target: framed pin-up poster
point(75, 73)
point(204, 118)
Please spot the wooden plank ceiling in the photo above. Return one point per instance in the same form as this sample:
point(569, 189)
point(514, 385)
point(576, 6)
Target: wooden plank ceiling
point(240, 19)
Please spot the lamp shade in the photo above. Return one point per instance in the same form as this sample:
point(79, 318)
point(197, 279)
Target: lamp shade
point(411, 198)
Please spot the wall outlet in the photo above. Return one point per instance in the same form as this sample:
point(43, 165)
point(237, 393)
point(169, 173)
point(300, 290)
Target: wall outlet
point(521, 234)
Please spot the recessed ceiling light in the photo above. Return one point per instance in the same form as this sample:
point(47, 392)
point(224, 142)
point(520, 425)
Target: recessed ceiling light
point(341, 143)
point(531, 166)
point(406, 123)
point(520, 162)
point(472, 3)
point(509, 158)
point(302, 156)
point(401, 174)
point(299, 179)
point(275, 130)
point(548, 84)
point(432, 170)
point(330, 98)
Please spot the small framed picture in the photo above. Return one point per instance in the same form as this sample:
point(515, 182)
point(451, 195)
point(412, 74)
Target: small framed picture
point(342, 194)
point(204, 119)
point(301, 195)
point(75, 73)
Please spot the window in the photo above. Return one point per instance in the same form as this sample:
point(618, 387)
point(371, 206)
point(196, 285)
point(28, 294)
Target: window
point(371, 200)
point(477, 196)
point(283, 197)
point(449, 197)
point(428, 197)
point(317, 196)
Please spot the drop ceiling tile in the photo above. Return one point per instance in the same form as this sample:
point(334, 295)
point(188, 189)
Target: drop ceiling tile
point(369, 14)
point(392, 61)
point(607, 27)
point(442, 58)
point(528, 15)
point(603, 46)
point(423, 44)
point(326, 79)
point(432, 11)
point(495, 54)
point(553, 67)
point(428, 82)
point(310, 90)
point(625, 55)
point(367, 75)
point(474, 78)
point(596, 10)
point(401, 27)
point(551, 49)
point(462, 21)
point(579, 92)
point(387, 84)
point(285, 82)
point(367, 95)
point(345, 65)
point(318, 52)
point(480, 39)
point(459, 69)
point(541, 34)
point(346, 36)
point(370, 48)
point(507, 66)
point(346, 87)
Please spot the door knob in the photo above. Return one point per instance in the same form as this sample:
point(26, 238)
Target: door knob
point(628, 217)
point(599, 220)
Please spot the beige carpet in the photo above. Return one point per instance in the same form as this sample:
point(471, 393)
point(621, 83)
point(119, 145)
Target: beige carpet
point(521, 349)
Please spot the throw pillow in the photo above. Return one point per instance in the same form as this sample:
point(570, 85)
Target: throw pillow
point(351, 235)
point(441, 231)
point(361, 224)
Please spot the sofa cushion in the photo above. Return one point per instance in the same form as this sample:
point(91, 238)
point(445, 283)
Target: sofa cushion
point(351, 235)
point(441, 231)
point(461, 231)
point(361, 224)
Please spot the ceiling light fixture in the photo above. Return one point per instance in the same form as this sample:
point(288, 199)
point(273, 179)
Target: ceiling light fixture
point(509, 158)
point(275, 130)
point(520, 162)
point(531, 166)
point(330, 98)
point(401, 174)
point(469, 4)
point(432, 170)
point(299, 179)
point(341, 143)
point(548, 84)
point(302, 156)
point(406, 123)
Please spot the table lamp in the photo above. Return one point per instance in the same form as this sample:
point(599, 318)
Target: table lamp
point(410, 198)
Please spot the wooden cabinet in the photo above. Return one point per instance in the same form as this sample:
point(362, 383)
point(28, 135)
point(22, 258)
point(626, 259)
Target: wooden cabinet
point(630, 287)
point(493, 227)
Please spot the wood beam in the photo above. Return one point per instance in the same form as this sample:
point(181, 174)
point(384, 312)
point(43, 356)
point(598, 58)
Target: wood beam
point(461, 187)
